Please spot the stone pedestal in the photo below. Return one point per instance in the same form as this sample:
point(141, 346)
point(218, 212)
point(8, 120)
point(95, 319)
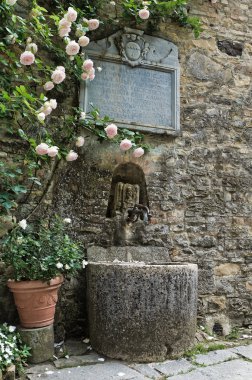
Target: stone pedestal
point(41, 341)
point(142, 312)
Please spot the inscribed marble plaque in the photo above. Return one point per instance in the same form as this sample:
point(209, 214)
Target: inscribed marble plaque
point(138, 86)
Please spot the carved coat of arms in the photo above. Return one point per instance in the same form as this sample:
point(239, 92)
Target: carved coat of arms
point(133, 48)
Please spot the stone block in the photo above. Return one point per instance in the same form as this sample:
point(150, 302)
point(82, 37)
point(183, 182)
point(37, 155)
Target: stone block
point(215, 357)
point(10, 373)
point(245, 351)
point(146, 254)
point(147, 370)
point(141, 312)
point(107, 371)
point(41, 342)
point(227, 269)
point(75, 361)
point(174, 367)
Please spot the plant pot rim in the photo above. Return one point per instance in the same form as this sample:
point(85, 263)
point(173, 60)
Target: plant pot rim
point(26, 284)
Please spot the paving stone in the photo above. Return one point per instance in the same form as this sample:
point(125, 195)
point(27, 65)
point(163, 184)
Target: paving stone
point(147, 370)
point(214, 357)
point(74, 361)
point(108, 371)
point(173, 367)
point(245, 351)
point(40, 368)
point(75, 347)
point(232, 370)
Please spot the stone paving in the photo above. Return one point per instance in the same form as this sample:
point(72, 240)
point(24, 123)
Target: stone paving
point(228, 364)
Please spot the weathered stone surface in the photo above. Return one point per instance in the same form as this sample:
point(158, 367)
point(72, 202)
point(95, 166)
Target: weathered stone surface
point(245, 351)
point(108, 371)
point(74, 361)
point(205, 68)
point(231, 370)
point(41, 341)
point(227, 270)
point(75, 347)
point(10, 373)
point(147, 370)
point(142, 312)
point(174, 367)
point(127, 254)
point(215, 357)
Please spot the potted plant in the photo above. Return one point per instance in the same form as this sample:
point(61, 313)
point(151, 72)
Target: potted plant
point(13, 352)
point(38, 257)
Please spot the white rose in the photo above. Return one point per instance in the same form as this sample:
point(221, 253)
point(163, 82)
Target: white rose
point(59, 265)
point(67, 220)
point(23, 224)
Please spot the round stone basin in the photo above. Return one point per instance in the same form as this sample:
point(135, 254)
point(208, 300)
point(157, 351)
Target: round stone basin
point(142, 312)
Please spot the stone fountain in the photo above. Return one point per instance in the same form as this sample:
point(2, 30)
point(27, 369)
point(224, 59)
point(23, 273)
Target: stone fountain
point(142, 306)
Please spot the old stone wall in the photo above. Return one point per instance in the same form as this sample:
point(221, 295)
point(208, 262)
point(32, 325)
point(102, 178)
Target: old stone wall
point(198, 184)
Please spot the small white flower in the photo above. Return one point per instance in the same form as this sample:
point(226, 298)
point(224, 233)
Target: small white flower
point(112, 3)
point(67, 266)
point(12, 328)
point(53, 103)
point(41, 116)
point(67, 220)
point(82, 116)
point(84, 263)
point(86, 340)
point(99, 69)
point(23, 224)
point(59, 265)
point(67, 356)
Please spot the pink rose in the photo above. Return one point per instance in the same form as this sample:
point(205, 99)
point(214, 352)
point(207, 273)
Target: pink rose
point(32, 47)
point(72, 48)
point(71, 15)
point(48, 86)
point(84, 76)
point(144, 14)
point(83, 41)
point(64, 32)
point(52, 151)
point(11, 2)
point(61, 68)
point(58, 76)
point(41, 116)
point(91, 76)
point(80, 141)
point(88, 65)
point(125, 144)
point(27, 58)
point(47, 109)
point(93, 24)
point(71, 156)
point(138, 152)
point(64, 23)
point(53, 103)
point(42, 149)
point(111, 130)
point(91, 71)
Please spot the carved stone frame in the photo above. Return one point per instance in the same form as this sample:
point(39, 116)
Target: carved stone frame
point(132, 47)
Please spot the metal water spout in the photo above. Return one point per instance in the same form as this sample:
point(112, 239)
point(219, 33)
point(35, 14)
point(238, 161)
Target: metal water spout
point(138, 211)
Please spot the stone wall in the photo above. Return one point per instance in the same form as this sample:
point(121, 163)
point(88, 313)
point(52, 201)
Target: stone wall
point(198, 184)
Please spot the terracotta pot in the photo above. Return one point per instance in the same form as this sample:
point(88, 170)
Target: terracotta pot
point(36, 301)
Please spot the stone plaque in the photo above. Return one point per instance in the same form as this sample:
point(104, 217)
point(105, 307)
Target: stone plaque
point(138, 86)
